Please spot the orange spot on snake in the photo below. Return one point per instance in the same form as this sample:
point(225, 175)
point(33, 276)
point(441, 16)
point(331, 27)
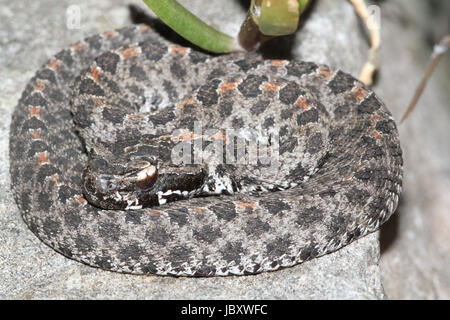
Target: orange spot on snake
point(39, 85)
point(324, 72)
point(177, 50)
point(136, 116)
point(245, 205)
point(303, 130)
point(200, 209)
point(108, 34)
point(95, 72)
point(35, 134)
point(35, 112)
point(97, 101)
point(270, 86)
point(376, 135)
point(43, 158)
point(359, 93)
point(373, 123)
point(278, 63)
point(187, 136)
point(227, 86)
point(53, 64)
point(374, 119)
point(185, 102)
point(303, 104)
point(56, 179)
point(77, 46)
point(129, 52)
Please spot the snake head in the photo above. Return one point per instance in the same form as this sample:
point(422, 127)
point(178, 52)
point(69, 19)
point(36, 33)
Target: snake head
point(127, 178)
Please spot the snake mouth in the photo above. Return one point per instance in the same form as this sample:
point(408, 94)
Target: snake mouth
point(121, 191)
point(141, 187)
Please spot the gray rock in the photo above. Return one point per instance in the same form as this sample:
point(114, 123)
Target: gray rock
point(415, 243)
point(31, 270)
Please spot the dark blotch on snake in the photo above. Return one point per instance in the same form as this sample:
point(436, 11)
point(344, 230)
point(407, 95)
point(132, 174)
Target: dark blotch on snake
point(108, 62)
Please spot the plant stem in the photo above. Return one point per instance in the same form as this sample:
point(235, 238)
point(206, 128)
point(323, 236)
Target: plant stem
point(192, 28)
point(438, 52)
point(266, 19)
point(249, 34)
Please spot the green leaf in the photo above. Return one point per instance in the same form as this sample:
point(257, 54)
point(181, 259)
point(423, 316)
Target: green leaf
point(192, 28)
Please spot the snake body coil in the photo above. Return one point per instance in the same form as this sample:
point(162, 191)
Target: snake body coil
point(128, 97)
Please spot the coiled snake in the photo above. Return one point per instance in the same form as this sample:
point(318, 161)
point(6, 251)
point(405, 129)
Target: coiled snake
point(131, 96)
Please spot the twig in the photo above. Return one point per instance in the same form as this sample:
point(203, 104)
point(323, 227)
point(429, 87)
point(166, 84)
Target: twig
point(438, 51)
point(373, 60)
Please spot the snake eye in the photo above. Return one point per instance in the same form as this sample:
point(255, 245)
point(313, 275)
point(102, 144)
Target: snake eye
point(146, 177)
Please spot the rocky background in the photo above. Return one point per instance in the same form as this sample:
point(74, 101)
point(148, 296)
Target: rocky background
point(414, 244)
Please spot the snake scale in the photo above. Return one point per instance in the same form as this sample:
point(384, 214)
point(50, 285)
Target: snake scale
point(125, 93)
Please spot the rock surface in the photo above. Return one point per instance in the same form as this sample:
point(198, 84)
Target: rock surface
point(415, 243)
point(30, 32)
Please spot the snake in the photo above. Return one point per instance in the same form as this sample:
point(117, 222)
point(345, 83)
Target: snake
point(293, 160)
